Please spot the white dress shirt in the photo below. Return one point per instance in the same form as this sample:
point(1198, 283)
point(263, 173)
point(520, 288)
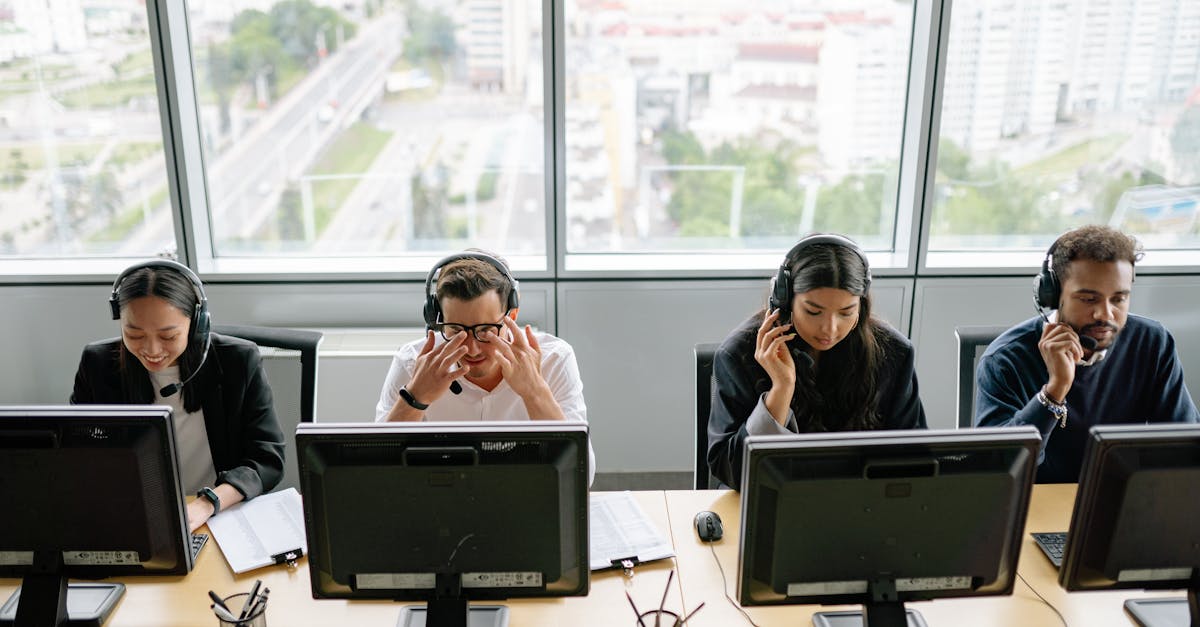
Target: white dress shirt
point(502, 403)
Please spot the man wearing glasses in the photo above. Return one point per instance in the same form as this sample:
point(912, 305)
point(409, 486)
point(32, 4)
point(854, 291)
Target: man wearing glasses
point(475, 362)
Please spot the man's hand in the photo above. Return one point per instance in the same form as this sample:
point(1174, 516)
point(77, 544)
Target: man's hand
point(1060, 349)
point(520, 361)
point(437, 367)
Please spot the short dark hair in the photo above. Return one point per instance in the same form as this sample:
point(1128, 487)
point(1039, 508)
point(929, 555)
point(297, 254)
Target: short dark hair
point(1094, 242)
point(468, 279)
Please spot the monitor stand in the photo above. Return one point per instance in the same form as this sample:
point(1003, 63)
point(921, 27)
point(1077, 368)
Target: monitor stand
point(449, 608)
point(1167, 612)
point(854, 618)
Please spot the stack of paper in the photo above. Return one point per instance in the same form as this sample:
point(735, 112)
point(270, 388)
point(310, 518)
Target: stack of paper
point(621, 530)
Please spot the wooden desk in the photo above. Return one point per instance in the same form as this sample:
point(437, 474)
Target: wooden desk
point(183, 601)
point(702, 579)
point(1050, 510)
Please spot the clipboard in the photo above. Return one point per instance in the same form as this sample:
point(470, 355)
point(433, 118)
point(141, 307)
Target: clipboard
point(621, 535)
point(264, 531)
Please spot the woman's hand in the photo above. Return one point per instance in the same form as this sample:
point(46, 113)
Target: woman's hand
point(771, 352)
point(198, 513)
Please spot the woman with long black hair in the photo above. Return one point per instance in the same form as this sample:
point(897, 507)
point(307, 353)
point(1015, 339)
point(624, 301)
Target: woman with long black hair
point(815, 359)
point(228, 439)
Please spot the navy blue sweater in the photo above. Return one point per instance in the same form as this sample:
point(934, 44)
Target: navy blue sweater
point(1139, 380)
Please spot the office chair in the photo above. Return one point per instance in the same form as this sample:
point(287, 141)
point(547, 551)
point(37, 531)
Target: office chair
point(972, 341)
point(702, 478)
point(306, 342)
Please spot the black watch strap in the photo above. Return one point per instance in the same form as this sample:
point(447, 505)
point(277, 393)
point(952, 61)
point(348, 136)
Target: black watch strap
point(412, 401)
point(210, 494)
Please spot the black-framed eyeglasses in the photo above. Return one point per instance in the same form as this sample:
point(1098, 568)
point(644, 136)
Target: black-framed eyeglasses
point(479, 331)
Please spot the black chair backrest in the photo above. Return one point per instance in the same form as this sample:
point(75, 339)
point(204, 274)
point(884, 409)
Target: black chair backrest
point(972, 341)
point(703, 479)
point(306, 342)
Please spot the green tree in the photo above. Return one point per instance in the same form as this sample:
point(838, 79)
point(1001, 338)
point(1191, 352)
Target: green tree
point(291, 218)
point(430, 34)
point(1185, 143)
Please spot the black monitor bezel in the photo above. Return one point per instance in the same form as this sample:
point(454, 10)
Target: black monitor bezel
point(159, 418)
point(1103, 441)
point(309, 434)
point(907, 442)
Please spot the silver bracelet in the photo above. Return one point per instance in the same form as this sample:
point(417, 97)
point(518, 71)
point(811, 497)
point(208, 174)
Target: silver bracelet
point(1059, 410)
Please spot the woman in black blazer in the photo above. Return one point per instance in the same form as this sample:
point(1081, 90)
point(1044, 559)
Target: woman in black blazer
point(813, 360)
point(227, 436)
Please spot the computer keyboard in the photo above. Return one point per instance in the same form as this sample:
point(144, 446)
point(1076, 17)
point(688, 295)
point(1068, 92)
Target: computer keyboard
point(1052, 544)
point(198, 540)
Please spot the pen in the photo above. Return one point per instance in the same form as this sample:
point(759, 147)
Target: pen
point(217, 601)
point(250, 599)
point(259, 602)
point(223, 613)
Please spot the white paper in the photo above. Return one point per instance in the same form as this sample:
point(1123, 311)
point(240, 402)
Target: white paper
point(620, 529)
point(250, 532)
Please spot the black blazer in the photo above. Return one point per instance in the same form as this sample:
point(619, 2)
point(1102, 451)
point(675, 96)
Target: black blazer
point(739, 382)
point(239, 413)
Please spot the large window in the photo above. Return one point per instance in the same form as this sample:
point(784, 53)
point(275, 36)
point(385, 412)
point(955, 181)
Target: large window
point(371, 128)
point(81, 158)
point(732, 124)
point(1063, 113)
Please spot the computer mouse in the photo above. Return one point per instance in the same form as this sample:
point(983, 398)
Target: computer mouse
point(708, 526)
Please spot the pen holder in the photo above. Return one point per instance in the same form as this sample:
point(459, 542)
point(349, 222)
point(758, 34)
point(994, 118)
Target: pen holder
point(256, 618)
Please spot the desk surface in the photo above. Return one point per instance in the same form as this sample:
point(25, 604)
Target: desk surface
point(1050, 510)
point(182, 601)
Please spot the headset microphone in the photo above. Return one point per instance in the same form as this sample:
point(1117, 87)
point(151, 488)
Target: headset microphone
point(457, 389)
point(1088, 343)
point(171, 389)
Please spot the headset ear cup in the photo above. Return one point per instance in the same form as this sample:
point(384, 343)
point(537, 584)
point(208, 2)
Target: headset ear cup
point(1046, 290)
point(115, 306)
point(430, 311)
point(514, 297)
point(781, 294)
point(202, 326)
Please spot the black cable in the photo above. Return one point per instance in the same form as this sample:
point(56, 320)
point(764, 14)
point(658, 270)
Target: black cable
point(1048, 604)
point(725, 587)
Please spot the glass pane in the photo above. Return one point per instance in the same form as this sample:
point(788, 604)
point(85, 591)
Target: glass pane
point(82, 171)
point(1058, 114)
point(371, 127)
point(733, 124)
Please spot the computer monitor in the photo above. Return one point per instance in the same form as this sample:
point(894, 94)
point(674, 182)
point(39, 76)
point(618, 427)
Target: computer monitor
point(89, 491)
point(443, 513)
point(881, 518)
point(1136, 522)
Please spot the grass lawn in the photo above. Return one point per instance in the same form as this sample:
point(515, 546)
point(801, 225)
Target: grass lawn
point(109, 95)
point(35, 158)
point(352, 153)
point(1068, 160)
point(128, 219)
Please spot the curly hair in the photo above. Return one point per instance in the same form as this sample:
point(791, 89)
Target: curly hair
point(1094, 242)
point(468, 279)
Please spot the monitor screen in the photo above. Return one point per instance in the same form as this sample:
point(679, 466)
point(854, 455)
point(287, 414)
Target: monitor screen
point(89, 491)
point(445, 512)
point(880, 518)
point(1136, 511)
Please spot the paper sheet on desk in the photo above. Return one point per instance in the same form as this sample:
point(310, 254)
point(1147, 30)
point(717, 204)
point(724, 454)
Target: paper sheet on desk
point(250, 532)
point(620, 529)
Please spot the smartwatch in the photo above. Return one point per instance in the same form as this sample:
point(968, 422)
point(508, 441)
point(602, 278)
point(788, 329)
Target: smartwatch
point(211, 495)
point(413, 402)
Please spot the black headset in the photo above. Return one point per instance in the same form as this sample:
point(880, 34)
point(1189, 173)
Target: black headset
point(1047, 289)
point(781, 283)
point(433, 309)
point(200, 333)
